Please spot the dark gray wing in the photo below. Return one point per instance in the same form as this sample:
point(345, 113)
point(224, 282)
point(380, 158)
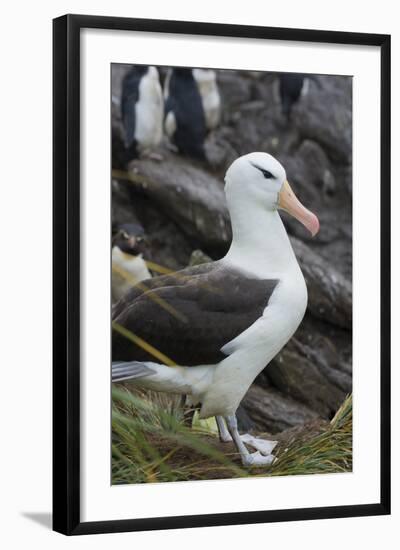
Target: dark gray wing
point(177, 278)
point(191, 316)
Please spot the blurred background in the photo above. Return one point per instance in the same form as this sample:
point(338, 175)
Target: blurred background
point(174, 134)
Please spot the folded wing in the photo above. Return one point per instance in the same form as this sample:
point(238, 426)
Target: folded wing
point(188, 316)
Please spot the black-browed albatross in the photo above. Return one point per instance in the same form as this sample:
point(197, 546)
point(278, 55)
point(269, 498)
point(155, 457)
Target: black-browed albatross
point(226, 319)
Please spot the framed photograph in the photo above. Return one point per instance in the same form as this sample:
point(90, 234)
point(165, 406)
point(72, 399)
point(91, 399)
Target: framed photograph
point(221, 274)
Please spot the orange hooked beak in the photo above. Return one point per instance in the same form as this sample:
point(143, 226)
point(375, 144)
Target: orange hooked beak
point(288, 201)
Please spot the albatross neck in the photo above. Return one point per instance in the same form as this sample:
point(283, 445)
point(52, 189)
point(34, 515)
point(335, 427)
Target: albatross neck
point(260, 243)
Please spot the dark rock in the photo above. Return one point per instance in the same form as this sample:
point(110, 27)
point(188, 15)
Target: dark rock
point(325, 116)
point(245, 422)
point(188, 194)
point(314, 368)
point(234, 89)
point(320, 187)
point(118, 71)
point(298, 377)
point(117, 130)
point(117, 138)
point(329, 293)
point(219, 152)
point(272, 411)
point(329, 346)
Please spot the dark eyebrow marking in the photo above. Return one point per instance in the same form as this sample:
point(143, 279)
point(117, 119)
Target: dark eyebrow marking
point(265, 173)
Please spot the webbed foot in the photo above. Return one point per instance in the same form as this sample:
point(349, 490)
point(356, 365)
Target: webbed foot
point(264, 446)
point(257, 459)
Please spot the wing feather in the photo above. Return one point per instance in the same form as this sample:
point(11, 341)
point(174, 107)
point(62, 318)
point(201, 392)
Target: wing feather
point(217, 305)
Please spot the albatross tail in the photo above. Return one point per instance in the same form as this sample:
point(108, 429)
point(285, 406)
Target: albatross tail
point(123, 370)
point(158, 377)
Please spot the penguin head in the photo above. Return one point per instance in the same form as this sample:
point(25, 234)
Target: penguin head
point(152, 73)
point(205, 76)
point(130, 238)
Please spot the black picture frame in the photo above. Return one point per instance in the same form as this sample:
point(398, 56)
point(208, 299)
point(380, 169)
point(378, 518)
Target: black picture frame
point(66, 272)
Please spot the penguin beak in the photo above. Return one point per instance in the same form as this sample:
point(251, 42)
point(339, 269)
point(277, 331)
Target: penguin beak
point(132, 242)
point(288, 202)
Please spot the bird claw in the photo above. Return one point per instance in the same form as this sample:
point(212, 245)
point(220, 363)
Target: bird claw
point(257, 459)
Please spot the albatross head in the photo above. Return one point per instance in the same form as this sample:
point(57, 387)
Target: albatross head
point(260, 178)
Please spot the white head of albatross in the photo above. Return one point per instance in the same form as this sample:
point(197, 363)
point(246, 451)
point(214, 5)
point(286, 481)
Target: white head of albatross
point(256, 189)
point(235, 314)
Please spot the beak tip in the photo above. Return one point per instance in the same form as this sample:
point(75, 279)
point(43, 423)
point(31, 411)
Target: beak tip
point(314, 226)
point(288, 201)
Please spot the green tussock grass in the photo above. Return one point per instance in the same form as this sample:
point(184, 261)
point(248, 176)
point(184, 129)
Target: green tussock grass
point(152, 444)
point(329, 451)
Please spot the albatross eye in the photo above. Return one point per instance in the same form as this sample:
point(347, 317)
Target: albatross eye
point(267, 175)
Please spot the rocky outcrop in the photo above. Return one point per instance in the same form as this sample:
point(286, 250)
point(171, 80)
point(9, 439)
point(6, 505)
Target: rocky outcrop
point(329, 292)
point(189, 194)
point(272, 411)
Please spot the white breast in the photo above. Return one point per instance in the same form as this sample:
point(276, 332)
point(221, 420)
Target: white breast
point(127, 270)
point(170, 124)
point(207, 86)
point(149, 111)
point(254, 348)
